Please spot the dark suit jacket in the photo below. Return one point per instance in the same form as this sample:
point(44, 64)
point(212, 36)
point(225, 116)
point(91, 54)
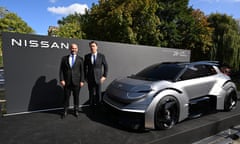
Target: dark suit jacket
point(95, 71)
point(74, 74)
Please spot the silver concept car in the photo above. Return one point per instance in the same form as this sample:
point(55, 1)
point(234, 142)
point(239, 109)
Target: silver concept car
point(170, 92)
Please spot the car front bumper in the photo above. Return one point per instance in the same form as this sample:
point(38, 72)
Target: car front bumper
point(136, 107)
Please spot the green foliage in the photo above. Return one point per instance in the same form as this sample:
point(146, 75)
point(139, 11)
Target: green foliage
point(226, 40)
point(129, 21)
point(70, 30)
point(175, 18)
point(71, 27)
point(201, 37)
point(12, 23)
point(232, 49)
point(168, 23)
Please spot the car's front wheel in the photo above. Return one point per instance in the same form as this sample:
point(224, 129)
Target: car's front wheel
point(230, 101)
point(166, 113)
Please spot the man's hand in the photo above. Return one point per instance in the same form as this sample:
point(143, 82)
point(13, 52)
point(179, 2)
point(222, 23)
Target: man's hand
point(81, 84)
point(62, 83)
point(102, 79)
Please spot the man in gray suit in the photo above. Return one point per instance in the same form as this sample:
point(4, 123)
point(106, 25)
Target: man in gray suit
point(71, 78)
point(95, 69)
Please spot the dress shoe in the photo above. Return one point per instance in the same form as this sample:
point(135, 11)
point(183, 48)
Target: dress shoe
point(76, 113)
point(64, 114)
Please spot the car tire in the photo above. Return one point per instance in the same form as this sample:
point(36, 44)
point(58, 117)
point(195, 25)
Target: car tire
point(230, 101)
point(166, 113)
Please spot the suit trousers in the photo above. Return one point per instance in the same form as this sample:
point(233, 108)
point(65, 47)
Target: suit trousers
point(95, 96)
point(67, 93)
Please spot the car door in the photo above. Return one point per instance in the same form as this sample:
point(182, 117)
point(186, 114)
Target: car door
point(197, 80)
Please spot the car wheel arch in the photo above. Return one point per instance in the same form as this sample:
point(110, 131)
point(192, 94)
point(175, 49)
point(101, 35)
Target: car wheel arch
point(150, 111)
point(166, 89)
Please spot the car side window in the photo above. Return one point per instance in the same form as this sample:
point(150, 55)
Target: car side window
point(189, 73)
point(210, 70)
point(198, 71)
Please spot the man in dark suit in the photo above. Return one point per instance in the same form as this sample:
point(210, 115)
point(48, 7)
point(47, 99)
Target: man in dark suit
point(96, 69)
point(71, 78)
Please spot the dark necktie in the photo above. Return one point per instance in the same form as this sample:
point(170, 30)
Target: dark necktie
point(94, 59)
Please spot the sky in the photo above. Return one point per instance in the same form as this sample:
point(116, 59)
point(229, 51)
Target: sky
point(41, 14)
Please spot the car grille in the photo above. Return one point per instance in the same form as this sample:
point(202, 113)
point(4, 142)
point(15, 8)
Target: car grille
point(117, 95)
point(117, 99)
point(134, 121)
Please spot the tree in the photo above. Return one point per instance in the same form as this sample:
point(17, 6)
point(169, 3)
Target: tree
point(201, 41)
point(127, 21)
point(71, 27)
point(70, 30)
point(12, 23)
point(225, 39)
point(232, 49)
point(175, 18)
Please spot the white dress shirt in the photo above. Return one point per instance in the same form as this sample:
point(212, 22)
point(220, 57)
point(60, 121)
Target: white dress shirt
point(92, 58)
point(70, 59)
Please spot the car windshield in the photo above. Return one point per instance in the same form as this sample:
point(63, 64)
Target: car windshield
point(164, 71)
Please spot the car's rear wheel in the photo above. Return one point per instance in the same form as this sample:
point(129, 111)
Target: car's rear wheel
point(166, 113)
point(230, 101)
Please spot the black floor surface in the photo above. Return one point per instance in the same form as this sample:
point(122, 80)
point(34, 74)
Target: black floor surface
point(101, 127)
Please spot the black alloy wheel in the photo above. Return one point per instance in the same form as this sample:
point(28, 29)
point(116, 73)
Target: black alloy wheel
point(166, 113)
point(230, 101)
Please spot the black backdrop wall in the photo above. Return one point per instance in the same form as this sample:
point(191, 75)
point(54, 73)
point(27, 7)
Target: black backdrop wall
point(31, 65)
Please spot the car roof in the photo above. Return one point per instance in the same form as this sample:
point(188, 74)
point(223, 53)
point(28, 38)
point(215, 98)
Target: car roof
point(206, 62)
point(213, 63)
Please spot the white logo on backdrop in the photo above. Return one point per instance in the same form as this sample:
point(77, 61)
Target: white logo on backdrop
point(23, 43)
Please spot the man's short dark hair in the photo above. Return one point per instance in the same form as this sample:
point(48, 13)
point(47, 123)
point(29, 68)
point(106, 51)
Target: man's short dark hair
point(93, 42)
